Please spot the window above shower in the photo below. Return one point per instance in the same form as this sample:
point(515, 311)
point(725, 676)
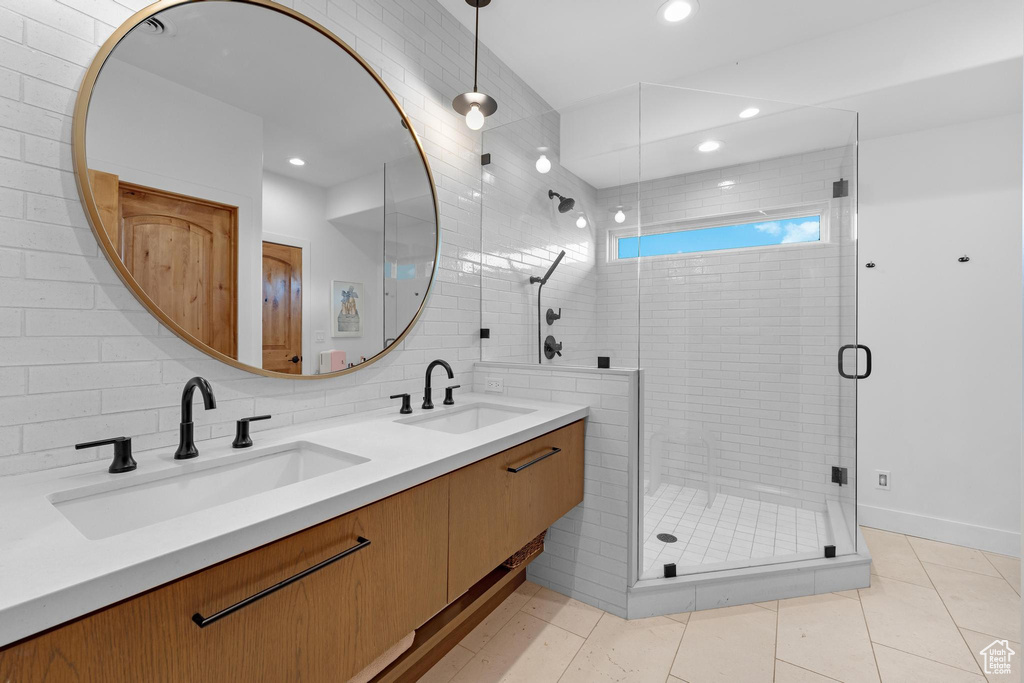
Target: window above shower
point(757, 230)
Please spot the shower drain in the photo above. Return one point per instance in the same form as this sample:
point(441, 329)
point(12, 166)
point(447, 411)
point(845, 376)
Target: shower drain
point(667, 538)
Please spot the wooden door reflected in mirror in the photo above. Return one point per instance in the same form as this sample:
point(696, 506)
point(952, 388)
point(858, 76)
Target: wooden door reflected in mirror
point(282, 308)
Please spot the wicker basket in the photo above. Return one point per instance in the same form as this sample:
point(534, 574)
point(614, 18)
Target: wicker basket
point(520, 556)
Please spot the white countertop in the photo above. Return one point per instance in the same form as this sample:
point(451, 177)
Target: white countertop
point(50, 573)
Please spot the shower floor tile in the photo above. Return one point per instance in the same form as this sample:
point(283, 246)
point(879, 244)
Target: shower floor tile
point(732, 530)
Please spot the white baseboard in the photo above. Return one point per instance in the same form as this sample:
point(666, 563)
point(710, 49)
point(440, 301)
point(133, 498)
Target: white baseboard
point(946, 530)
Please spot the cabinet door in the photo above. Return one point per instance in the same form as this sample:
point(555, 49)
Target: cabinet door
point(326, 626)
point(332, 623)
point(494, 512)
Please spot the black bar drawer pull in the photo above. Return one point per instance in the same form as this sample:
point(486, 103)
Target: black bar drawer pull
point(867, 355)
point(535, 460)
point(203, 622)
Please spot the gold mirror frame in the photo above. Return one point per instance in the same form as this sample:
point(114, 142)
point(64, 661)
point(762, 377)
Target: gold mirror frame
point(92, 210)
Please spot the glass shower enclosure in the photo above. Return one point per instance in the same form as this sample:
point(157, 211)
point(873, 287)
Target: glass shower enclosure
point(711, 244)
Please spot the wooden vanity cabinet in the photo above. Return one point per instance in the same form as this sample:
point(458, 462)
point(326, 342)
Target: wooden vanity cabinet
point(428, 546)
point(326, 626)
point(493, 511)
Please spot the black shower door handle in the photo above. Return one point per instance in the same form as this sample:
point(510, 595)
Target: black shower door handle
point(867, 353)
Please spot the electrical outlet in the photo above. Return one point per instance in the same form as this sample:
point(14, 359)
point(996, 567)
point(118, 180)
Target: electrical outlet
point(883, 480)
point(495, 385)
point(320, 336)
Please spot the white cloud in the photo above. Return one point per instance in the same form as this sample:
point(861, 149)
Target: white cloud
point(801, 232)
point(771, 227)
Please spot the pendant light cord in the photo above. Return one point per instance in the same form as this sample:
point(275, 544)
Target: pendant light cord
point(476, 47)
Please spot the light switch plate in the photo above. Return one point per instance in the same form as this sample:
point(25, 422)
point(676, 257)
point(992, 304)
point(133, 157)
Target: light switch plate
point(320, 336)
point(495, 385)
point(883, 480)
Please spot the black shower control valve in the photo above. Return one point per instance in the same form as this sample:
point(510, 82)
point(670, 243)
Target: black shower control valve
point(552, 316)
point(552, 348)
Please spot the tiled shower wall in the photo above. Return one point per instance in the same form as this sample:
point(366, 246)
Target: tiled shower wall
point(742, 345)
point(81, 360)
point(523, 234)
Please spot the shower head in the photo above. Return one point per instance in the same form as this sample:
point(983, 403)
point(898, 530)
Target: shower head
point(544, 280)
point(565, 204)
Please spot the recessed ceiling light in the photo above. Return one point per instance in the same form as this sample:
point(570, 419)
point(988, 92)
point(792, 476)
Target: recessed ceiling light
point(674, 11)
point(749, 112)
point(725, 184)
point(709, 146)
point(295, 161)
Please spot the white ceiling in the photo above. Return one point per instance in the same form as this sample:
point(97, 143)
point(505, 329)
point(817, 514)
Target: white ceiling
point(569, 50)
point(903, 65)
point(675, 121)
point(344, 126)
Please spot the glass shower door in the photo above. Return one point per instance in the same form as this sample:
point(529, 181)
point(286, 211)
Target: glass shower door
point(747, 267)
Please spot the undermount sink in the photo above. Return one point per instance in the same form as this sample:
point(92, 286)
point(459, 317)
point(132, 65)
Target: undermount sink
point(108, 509)
point(466, 418)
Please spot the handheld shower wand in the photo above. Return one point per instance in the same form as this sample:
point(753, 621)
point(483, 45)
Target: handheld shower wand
point(543, 281)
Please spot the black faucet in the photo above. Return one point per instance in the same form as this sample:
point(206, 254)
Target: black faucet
point(187, 443)
point(427, 403)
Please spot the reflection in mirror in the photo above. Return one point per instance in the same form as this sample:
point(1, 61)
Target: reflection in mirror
point(260, 187)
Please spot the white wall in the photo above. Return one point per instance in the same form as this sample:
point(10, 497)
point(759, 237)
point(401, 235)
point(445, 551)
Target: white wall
point(298, 210)
point(942, 409)
point(205, 149)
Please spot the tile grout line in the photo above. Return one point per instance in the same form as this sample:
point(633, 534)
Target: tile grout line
point(871, 642)
point(812, 671)
point(679, 647)
point(775, 652)
point(943, 600)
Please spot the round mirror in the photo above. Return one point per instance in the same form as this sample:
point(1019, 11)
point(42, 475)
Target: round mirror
point(257, 186)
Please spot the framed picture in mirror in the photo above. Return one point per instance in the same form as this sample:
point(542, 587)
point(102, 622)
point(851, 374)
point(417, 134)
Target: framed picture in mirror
point(346, 302)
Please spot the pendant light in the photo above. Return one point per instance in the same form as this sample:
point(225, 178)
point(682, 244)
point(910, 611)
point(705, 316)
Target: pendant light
point(475, 106)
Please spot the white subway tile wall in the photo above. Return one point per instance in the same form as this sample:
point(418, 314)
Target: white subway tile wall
point(523, 234)
point(586, 552)
point(742, 344)
point(80, 359)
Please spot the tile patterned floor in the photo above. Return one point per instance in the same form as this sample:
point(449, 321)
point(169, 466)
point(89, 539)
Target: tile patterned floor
point(732, 529)
point(930, 610)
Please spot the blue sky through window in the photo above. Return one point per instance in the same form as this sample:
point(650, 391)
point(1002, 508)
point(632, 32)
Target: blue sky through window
point(762, 234)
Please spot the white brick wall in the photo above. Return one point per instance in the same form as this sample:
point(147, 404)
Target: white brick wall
point(80, 359)
point(586, 553)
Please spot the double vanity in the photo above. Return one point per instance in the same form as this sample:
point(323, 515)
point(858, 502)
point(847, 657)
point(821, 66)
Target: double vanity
point(319, 547)
point(295, 241)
